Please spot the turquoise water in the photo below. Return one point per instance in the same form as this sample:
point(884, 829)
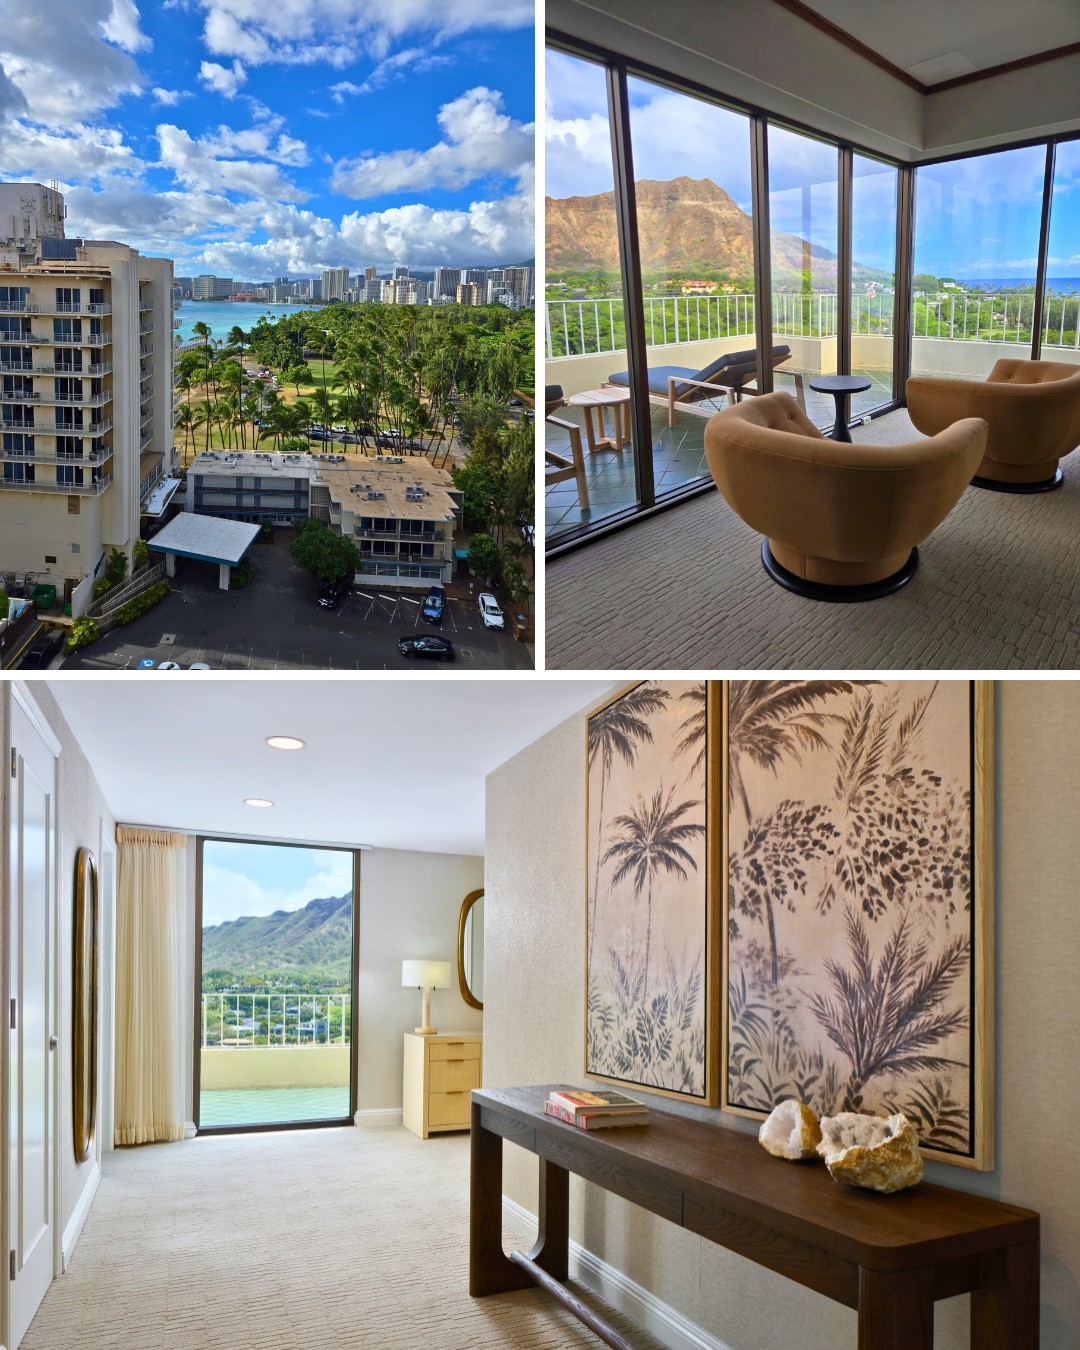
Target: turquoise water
point(221, 315)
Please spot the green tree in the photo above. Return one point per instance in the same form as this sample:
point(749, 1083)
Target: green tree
point(485, 559)
point(329, 556)
point(483, 493)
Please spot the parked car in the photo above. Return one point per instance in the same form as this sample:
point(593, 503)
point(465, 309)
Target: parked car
point(490, 612)
point(199, 665)
point(334, 592)
point(434, 605)
point(169, 665)
point(429, 645)
point(41, 651)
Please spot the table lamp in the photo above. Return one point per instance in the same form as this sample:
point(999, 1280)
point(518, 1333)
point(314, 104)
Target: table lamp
point(425, 975)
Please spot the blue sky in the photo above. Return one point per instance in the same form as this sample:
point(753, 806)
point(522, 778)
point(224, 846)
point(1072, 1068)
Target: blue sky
point(257, 139)
point(244, 879)
point(977, 217)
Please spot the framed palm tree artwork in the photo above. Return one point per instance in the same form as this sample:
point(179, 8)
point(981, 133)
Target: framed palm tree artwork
point(858, 903)
point(652, 889)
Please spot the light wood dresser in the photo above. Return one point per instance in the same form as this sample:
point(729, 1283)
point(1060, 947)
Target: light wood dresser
point(440, 1073)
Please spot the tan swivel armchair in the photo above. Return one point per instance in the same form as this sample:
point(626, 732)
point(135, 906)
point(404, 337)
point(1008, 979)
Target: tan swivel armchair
point(1033, 412)
point(841, 521)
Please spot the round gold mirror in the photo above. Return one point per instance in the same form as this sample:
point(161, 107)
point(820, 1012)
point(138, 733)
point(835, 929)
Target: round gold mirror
point(85, 1004)
point(470, 949)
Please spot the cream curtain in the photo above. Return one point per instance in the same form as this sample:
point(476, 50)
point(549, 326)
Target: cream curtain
point(150, 965)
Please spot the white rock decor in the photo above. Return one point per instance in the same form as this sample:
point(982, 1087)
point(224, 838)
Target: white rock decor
point(791, 1131)
point(875, 1152)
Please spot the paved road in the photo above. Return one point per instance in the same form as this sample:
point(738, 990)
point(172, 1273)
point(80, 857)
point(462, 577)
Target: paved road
point(277, 624)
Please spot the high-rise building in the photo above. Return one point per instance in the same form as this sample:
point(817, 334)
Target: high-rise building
point(335, 283)
point(86, 340)
point(370, 273)
point(400, 273)
point(406, 291)
point(445, 283)
point(209, 287)
point(373, 290)
point(470, 293)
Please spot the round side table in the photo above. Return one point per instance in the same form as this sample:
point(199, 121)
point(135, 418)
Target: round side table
point(841, 387)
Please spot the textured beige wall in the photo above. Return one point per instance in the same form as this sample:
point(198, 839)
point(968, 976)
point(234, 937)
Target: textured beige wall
point(534, 1026)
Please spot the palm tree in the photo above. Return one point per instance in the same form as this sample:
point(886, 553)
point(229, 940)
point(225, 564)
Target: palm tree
point(653, 842)
point(769, 720)
point(616, 732)
point(185, 421)
point(693, 727)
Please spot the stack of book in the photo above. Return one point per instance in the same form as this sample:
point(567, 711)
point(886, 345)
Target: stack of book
point(590, 1110)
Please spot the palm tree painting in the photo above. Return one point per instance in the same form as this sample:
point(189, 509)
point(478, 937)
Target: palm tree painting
point(650, 928)
point(857, 924)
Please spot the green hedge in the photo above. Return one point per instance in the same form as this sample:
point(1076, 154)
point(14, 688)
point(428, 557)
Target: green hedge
point(132, 609)
point(83, 631)
point(243, 574)
point(103, 586)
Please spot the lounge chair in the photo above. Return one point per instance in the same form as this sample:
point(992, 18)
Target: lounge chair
point(1032, 407)
point(841, 521)
point(726, 375)
point(557, 467)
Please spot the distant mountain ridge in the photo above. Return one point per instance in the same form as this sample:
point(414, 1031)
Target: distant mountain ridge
point(315, 938)
point(684, 225)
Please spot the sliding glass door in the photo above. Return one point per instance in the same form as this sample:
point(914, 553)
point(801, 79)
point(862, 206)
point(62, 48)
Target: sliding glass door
point(275, 984)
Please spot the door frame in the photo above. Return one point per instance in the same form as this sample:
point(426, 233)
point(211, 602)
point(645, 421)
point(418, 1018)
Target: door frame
point(196, 992)
point(21, 695)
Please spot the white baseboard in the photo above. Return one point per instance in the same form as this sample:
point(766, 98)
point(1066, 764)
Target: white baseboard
point(189, 1129)
point(378, 1119)
point(643, 1308)
point(78, 1217)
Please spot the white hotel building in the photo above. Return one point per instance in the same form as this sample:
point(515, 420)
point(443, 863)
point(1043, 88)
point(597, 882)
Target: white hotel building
point(86, 394)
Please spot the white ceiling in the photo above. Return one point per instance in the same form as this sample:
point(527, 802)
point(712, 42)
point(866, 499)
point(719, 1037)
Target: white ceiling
point(394, 764)
point(935, 41)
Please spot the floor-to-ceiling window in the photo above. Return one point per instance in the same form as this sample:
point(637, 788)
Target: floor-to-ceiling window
point(874, 188)
point(275, 984)
point(976, 253)
point(1061, 307)
point(803, 228)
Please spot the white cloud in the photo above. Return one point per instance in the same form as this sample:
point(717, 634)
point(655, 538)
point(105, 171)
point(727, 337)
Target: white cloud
point(229, 893)
point(169, 98)
point(416, 60)
point(222, 79)
point(480, 140)
point(81, 152)
point(122, 27)
point(340, 32)
point(214, 163)
point(59, 57)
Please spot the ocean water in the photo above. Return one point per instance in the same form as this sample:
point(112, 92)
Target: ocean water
point(221, 315)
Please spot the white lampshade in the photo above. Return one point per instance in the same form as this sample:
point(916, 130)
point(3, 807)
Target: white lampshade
point(425, 974)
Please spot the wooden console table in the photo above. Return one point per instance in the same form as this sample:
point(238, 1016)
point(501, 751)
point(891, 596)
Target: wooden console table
point(888, 1256)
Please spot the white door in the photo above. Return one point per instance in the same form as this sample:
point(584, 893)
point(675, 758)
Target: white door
point(32, 1059)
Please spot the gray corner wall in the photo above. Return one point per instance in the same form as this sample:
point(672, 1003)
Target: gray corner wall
point(534, 1026)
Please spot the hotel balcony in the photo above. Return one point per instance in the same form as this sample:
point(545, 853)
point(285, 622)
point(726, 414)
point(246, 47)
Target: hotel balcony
point(60, 429)
point(29, 368)
point(92, 489)
point(146, 327)
point(48, 397)
point(41, 340)
point(959, 336)
point(93, 455)
point(270, 1058)
point(147, 349)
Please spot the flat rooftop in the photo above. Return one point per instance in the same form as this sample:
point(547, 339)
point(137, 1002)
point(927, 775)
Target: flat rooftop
point(409, 487)
point(248, 463)
point(207, 538)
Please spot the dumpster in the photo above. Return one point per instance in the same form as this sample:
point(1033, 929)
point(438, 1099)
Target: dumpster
point(43, 596)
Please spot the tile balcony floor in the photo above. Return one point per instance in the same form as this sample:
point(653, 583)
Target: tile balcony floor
point(678, 455)
point(272, 1106)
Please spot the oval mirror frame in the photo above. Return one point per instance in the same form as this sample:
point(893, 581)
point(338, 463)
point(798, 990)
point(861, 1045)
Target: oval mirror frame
point(466, 993)
point(84, 1041)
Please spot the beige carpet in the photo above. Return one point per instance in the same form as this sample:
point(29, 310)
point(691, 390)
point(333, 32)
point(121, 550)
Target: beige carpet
point(998, 588)
point(299, 1241)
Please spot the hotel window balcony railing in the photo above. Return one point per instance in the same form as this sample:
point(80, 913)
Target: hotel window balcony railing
point(7, 366)
point(98, 368)
point(145, 439)
point(591, 327)
point(91, 455)
point(71, 307)
point(146, 328)
point(19, 424)
point(146, 372)
point(41, 340)
point(91, 489)
point(265, 1021)
point(18, 396)
point(75, 400)
point(178, 323)
point(147, 349)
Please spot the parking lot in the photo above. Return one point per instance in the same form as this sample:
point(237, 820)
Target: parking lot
point(276, 623)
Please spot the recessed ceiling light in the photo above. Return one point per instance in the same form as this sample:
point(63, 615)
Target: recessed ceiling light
point(257, 801)
point(285, 742)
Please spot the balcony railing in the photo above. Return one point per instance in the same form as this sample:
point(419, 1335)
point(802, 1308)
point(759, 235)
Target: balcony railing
point(40, 340)
point(256, 1021)
point(48, 396)
point(588, 327)
point(93, 489)
point(36, 456)
point(28, 368)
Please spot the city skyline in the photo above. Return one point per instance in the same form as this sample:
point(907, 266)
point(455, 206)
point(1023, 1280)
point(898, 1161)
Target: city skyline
point(279, 143)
